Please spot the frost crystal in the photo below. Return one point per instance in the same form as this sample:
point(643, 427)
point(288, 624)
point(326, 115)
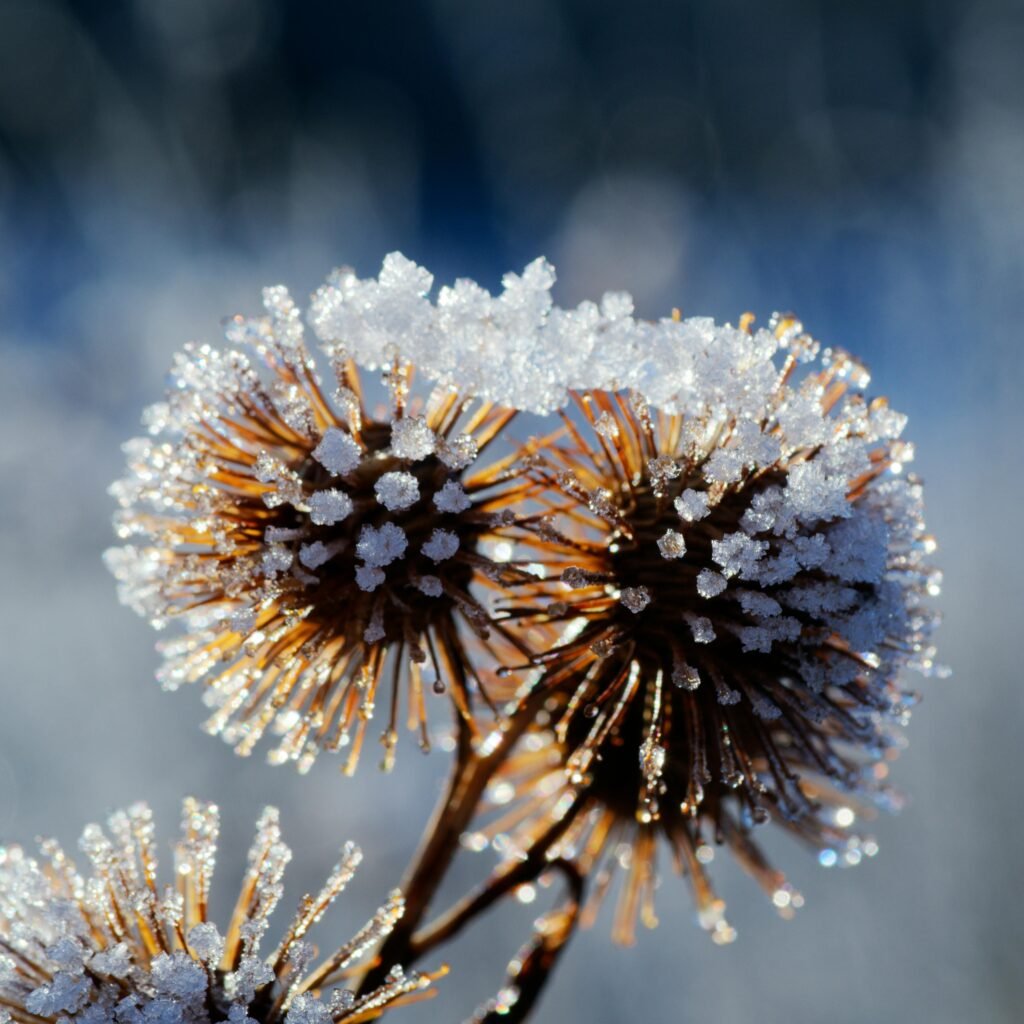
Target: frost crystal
point(431, 586)
point(337, 452)
point(329, 507)
point(692, 505)
point(710, 583)
point(412, 439)
point(381, 546)
point(312, 556)
point(636, 599)
point(457, 452)
point(396, 491)
point(702, 628)
point(369, 578)
point(442, 545)
point(106, 947)
point(671, 544)
point(452, 498)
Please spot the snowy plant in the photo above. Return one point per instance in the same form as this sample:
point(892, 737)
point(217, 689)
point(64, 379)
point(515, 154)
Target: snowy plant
point(113, 946)
point(683, 610)
point(308, 546)
point(740, 580)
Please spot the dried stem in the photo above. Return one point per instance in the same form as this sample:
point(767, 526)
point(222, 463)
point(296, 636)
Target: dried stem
point(503, 881)
point(471, 773)
point(533, 965)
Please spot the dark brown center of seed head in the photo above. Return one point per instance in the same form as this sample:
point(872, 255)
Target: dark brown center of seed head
point(339, 602)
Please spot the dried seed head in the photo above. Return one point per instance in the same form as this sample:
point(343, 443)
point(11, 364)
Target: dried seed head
point(312, 550)
point(113, 945)
point(739, 585)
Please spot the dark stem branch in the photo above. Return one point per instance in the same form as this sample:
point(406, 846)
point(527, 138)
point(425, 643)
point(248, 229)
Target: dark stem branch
point(503, 881)
point(535, 962)
point(471, 773)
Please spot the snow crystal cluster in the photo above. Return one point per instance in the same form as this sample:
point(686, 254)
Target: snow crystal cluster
point(521, 350)
point(112, 947)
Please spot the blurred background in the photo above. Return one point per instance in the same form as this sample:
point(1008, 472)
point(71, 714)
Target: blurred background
point(857, 162)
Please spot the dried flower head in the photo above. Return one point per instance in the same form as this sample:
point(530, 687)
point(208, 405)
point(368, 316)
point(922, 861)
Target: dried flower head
point(113, 948)
point(740, 578)
point(316, 554)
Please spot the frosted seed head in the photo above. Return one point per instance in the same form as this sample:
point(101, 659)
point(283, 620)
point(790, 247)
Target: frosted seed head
point(47, 910)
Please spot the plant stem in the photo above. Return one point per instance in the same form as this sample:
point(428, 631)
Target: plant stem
point(535, 962)
point(503, 881)
point(471, 773)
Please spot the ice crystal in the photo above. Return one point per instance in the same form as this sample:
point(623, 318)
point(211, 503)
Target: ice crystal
point(692, 505)
point(337, 452)
point(672, 544)
point(329, 507)
point(291, 536)
point(636, 599)
point(738, 563)
point(452, 498)
point(396, 491)
point(441, 546)
point(380, 546)
point(112, 947)
point(412, 439)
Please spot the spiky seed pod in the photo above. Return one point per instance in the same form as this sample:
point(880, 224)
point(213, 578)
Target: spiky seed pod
point(113, 947)
point(319, 556)
point(740, 581)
